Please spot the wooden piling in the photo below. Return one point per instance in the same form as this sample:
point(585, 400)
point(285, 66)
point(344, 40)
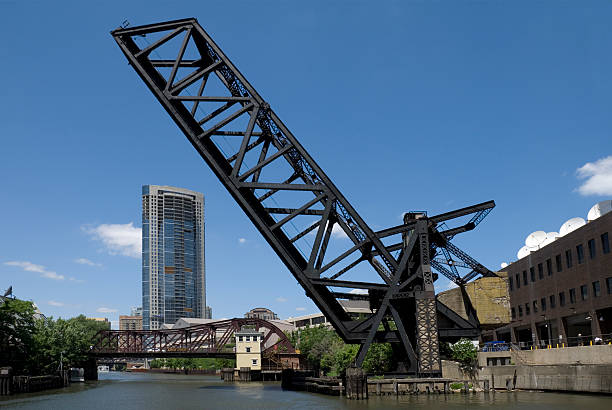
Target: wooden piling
point(356, 384)
point(6, 381)
point(228, 374)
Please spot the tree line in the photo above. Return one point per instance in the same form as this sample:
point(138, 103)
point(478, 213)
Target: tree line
point(192, 363)
point(324, 350)
point(35, 345)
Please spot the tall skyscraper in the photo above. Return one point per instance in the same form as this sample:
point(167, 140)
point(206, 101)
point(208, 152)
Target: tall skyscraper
point(173, 273)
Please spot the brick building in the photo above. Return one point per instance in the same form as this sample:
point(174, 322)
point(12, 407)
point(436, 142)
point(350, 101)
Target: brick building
point(130, 322)
point(562, 293)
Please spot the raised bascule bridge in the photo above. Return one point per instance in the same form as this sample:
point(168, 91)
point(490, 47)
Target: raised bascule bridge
point(322, 240)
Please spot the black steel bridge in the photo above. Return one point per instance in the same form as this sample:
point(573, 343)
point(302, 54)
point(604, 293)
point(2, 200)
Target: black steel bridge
point(296, 207)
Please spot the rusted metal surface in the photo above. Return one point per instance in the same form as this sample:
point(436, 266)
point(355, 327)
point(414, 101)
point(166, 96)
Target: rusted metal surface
point(207, 340)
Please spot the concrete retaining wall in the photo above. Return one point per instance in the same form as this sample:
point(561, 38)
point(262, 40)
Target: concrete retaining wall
point(601, 354)
point(573, 378)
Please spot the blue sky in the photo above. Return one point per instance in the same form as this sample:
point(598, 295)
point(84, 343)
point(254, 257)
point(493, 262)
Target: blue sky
point(407, 105)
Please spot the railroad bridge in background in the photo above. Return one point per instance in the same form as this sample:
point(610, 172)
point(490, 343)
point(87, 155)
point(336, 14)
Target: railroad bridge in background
point(213, 339)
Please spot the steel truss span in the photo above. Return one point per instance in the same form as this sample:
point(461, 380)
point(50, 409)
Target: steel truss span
point(207, 340)
point(316, 232)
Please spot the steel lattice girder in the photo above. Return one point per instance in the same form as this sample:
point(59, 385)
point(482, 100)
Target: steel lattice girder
point(200, 340)
point(182, 82)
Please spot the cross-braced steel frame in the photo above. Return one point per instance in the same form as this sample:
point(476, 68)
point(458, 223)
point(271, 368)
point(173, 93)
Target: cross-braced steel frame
point(206, 340)
point(297, 208)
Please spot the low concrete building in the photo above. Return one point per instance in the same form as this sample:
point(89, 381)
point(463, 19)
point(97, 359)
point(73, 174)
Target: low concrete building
point(489, 297)
point(355, 308)
point(248, 348)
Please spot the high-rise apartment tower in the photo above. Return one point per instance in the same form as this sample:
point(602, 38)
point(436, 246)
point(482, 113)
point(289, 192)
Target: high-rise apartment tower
point(173, 273)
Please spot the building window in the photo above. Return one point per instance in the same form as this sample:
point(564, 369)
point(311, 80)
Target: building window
point(248, 350)
point(549, 267)
point(551, 299)
point(254, 362)
point(540, 271)
point(543, 304)
point(532, 274)
point(605, 243)
point(584, 292)
point(609, 285)
point(568, 258)
point(520, 311)
point(513, 313)
point(596, 289)
point(592, 252)
point(510, 283)
point(525, 277)
point(561, 298)
point(558, 263)
point(535, 306)
point(247, 338)
point(518, 281)
point(580, 253)
point(527, 309)
point(572, 292)
point(240, 338)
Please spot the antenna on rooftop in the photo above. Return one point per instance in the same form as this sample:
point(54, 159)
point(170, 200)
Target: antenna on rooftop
point(571, 225)
point(599, 209)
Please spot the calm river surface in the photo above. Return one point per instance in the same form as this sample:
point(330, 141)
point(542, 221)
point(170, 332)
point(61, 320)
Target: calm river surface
point(118, 391)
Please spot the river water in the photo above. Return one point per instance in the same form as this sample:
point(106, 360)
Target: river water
point(119, 391)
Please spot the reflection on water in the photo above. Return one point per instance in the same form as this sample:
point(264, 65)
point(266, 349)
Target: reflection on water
point(115, 391)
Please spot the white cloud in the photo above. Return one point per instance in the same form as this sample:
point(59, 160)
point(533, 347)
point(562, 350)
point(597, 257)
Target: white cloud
point(281, 299)
point(106, 310)
point(242, 240)
point(28, 266)
point(31, 267)
point(598, 177)
point(85, 261)
point(450, 285)
point(300, 309)
point(54, 303)
point(119, 239)
point(337, 232)
point(52, 275)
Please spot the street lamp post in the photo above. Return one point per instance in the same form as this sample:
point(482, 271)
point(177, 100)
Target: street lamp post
point(549, 331)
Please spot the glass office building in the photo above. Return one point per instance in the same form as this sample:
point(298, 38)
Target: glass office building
point(173, 273)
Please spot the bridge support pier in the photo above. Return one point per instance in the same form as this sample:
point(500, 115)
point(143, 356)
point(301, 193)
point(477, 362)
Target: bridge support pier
point(356, 384)
point(90, 368)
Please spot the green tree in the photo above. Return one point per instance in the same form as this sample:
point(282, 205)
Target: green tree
point(17, 324)
point(63, 340)
point(466, 354)
point(379, 358)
